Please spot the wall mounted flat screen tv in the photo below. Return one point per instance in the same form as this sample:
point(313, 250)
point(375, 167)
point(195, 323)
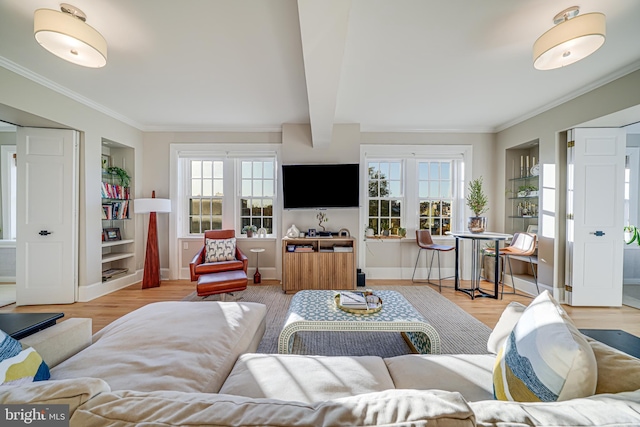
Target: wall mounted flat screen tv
point(321, 186)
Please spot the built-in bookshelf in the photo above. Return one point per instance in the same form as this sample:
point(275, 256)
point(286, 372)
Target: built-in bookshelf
point(118, 230)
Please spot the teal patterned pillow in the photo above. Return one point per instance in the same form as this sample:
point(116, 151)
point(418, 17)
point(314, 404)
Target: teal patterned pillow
point(220, 250)
point(18, 366)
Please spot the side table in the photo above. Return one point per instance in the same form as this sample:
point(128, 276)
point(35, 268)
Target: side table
point(257, 278)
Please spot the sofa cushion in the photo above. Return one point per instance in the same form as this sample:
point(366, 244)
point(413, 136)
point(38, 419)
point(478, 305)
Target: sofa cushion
point(220, 250)
point(177, 345)
point(622, 409)
point(469, 374)
point(73, 392)
point(617, 371)
point(306, 378)
point(507, 321)
point(18, 365)
point(545, 357)
point(387, 408)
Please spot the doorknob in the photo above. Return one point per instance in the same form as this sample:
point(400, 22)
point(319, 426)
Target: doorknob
point(598, 233)
point(44, 232)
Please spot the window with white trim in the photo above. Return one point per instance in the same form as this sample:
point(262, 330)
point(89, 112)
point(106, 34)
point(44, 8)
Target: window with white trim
point(385, 198)
point(435, 196)
point(206, 195)
point(415, 187)
point(226, 190)
point(258, 193)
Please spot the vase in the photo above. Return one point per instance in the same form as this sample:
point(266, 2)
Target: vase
point(477, 224)
point(293, 231)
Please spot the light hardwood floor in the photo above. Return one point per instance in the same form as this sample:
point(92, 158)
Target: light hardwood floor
point(105, 309)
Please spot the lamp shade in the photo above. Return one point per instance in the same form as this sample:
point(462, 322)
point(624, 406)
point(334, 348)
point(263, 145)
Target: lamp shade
point(69, 38)
point(141, 206)
point(570, 41)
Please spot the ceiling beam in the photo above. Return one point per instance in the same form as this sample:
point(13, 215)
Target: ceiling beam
point(323, 29)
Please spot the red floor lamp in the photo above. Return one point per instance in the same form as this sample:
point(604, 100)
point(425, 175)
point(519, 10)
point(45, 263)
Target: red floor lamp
point(151, 274)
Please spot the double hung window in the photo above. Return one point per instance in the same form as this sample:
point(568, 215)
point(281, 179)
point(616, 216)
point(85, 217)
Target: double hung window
point(226, 190)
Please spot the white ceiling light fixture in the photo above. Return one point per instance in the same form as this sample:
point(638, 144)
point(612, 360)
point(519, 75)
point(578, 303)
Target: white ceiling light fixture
point(572, 39)
point(68, 36)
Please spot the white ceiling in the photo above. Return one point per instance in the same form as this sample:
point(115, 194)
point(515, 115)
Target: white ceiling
point(388, 65)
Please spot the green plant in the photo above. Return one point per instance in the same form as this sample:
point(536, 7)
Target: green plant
point(322, 217)
point(122, 174)
point(527, 188)
point(476, 199)
point(631, 234)
point(246, 228)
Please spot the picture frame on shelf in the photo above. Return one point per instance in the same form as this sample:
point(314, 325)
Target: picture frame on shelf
point(311, 232)
point(112, 234)
point(106, 162)
point(532, 228)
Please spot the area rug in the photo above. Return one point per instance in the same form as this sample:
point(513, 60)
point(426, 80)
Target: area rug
point(459, 332)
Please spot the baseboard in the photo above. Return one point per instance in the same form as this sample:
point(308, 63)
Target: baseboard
point(631, 281)
point(8, 279)
point(95, 290)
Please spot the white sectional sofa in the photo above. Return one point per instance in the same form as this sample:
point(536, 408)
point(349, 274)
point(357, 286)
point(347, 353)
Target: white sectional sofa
point(193, 363)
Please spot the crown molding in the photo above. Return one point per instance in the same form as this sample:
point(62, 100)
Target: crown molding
point(382, 129)
point(37, 78)
point(634, 66)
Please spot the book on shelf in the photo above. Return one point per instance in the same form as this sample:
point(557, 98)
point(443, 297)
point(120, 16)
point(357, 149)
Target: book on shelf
point(303, 248)
point(353, 299)
point(342, 248)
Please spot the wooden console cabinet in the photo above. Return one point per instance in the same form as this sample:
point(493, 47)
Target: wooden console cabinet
point(320, 265)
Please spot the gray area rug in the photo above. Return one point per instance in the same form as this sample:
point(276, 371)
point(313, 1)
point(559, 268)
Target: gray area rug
point(459, 332)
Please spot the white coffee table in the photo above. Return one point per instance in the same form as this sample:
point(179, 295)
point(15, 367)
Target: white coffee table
point(316, 310)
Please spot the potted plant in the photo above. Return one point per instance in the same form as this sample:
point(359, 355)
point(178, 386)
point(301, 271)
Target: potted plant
point(527, 190)
point(249, 230)
point(122, 174)
point(477, 202)
point(322, 217)
point(631, 234)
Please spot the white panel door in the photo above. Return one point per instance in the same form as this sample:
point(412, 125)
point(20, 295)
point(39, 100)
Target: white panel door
point(597, 191)
point(47, 232)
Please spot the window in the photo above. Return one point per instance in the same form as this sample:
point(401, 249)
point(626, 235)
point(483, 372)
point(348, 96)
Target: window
point(415, 187)
point(258, 192)
point(435, 196)
point(9, 192)
point(206, 195)
point(223, 186)
point(385, 195)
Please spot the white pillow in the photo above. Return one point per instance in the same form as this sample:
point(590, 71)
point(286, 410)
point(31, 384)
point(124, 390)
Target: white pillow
point(508, 320)
point(545, 358)
point(220, 250)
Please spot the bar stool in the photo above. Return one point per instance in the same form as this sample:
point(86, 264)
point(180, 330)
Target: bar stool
point(522, 245)
point(425, 242)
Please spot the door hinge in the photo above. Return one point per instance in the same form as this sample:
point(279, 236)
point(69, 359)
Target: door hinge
point(568, 288)
point(571, 144)
point(570, 216)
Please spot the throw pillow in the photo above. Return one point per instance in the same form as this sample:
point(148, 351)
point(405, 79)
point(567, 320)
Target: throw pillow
point(220, 250)
point(18, 365)
point(545, 358)
point(508, 320)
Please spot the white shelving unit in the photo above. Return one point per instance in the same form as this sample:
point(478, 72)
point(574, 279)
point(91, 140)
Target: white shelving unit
point(118, 256)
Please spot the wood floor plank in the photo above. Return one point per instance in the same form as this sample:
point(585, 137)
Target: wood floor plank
point(107, 308)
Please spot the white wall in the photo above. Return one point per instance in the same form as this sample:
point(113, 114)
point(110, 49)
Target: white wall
point(25, 95)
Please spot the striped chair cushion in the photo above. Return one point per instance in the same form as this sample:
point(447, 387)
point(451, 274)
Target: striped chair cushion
point(220, 250)
point(545, 358)
point(18, 366)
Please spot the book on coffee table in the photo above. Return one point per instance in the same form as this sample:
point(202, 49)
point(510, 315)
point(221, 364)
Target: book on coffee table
point(356, 300)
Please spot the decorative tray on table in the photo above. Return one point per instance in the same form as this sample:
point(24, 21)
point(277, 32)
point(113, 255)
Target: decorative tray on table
point(358, 302)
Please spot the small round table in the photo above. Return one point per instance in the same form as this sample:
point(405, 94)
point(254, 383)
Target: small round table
point(257, 278)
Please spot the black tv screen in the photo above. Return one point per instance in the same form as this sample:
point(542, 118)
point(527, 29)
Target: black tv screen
point(320, 186)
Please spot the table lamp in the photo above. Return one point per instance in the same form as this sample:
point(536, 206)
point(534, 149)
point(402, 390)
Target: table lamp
point(151, 274)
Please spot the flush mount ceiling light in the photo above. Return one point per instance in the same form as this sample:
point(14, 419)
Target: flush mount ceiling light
point(572, 39)
point(67, 35)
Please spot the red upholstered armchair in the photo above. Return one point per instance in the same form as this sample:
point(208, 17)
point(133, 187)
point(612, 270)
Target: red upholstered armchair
point(198, 266)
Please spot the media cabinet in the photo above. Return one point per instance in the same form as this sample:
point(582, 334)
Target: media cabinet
point(318, 263)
